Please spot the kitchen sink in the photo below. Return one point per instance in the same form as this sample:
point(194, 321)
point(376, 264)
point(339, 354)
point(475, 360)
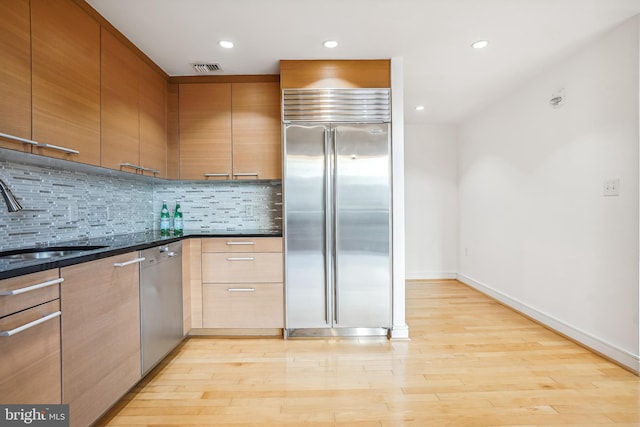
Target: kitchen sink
point(44, 253)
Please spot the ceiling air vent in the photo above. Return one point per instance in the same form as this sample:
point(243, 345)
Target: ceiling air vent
point(207, 68)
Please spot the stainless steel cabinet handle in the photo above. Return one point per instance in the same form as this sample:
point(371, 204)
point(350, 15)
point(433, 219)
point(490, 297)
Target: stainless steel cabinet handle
point(29, 325)
point(246, 174)
point(17, 138)
point(241, 289)
point(130, 165)
point(32, 287)
point(240, 243)
point(241, 259)
point(133, 261)
point(210, 175)
point(153, 171)
point(57, 147)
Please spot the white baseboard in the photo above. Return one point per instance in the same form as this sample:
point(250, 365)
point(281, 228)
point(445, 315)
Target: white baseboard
point(598, 345)
point(399, 332)
point(430, 275)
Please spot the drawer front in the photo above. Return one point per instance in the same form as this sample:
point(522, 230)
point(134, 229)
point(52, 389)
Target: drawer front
point(244, 244)
point(241, 267)
point(30, 360)
point(250, 305)
point(22, 296)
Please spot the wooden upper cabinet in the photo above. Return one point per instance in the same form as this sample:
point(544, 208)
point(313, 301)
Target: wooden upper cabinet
point(15, 72)
point(119, 102)
point(371, 73)
point(65, 80)
point(205, 131)
point(153, 120)
point(255, 112)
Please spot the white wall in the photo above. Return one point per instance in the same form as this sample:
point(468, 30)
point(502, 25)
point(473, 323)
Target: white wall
point(431, 210)
point(534, 227)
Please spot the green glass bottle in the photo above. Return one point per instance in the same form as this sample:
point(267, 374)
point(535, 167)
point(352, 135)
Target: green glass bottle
point(165, 220)
point(178, 224)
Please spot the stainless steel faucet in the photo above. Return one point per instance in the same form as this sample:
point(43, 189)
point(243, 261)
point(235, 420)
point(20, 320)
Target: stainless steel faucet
point(9, 199)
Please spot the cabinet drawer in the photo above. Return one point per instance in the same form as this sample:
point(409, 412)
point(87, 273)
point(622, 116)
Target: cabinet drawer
point(249, 305)
point(241, 267)
point(30, 360)
point(242, 244)
point(19, 293)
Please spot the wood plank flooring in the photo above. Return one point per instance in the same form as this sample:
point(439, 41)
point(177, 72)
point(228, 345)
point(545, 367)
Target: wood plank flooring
point(470, 362)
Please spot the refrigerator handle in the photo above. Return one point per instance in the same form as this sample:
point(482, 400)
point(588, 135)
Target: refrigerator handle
point(327, 227)
point(334, 224)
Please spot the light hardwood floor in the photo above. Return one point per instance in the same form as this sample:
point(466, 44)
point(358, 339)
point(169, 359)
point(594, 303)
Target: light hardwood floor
point(470, 362)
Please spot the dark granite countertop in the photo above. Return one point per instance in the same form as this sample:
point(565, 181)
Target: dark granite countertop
point(113, 245)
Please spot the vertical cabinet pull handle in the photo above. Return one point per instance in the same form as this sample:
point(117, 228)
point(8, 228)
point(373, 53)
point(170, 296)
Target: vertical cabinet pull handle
point(29, 325)
point(31, 288)
point(133, 261)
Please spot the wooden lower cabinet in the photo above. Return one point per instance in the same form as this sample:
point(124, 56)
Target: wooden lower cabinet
point(30, 360)
point(240, 284)
point(100, 334)
point(242, 305)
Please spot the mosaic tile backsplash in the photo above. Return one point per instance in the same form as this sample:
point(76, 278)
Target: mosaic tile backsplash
point(61, 205)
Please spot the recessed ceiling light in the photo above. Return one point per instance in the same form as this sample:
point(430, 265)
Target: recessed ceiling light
point(480, 44)
point(225, 44)
point(330, 44)
point(419, 107)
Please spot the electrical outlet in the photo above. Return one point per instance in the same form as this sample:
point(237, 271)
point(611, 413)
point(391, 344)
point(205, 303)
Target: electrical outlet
point(611, 187)
point(72, 213)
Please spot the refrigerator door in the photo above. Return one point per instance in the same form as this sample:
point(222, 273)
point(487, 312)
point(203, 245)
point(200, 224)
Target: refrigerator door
point(305, 188)
point(362, 219)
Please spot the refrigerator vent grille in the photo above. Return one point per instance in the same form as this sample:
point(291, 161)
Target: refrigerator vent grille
point(336, 105)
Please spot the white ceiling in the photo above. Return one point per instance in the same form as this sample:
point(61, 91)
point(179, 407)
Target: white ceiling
point(441, 70)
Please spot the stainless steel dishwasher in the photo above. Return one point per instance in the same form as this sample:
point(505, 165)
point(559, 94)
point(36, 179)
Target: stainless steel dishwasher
point(160, 303)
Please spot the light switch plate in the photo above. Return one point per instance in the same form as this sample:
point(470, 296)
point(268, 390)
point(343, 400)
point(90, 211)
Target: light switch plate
point(612, 187)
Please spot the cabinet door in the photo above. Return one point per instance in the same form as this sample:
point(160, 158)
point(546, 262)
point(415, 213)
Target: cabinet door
point(248, 267)
point(119, 100)
point(257, 146)
point(246, 305)
point(66, 80)
point(153, 120)
point(15, 73)
point(30, 360)
point(100, 335)
point(205, 131)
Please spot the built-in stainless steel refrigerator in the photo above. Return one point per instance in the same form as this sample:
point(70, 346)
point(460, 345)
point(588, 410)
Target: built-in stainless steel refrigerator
point(337, 212)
